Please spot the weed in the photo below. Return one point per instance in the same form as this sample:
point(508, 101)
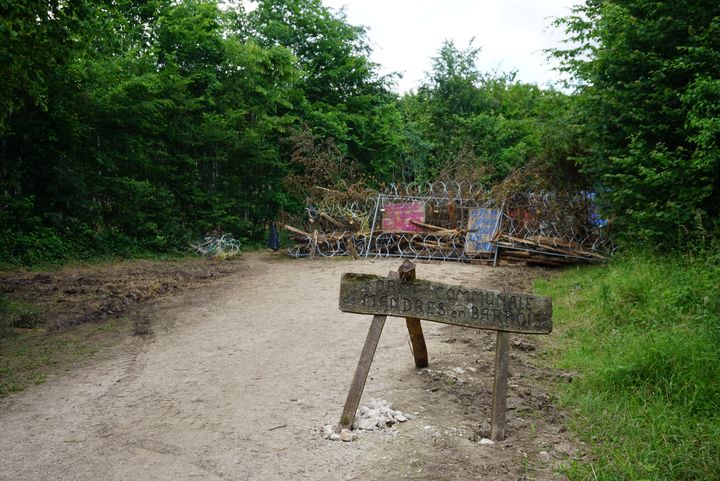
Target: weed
point(18, 315)
point(29, 353)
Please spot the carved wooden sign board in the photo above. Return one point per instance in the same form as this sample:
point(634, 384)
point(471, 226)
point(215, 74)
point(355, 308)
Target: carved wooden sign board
point(449, 304)
point(401, 295)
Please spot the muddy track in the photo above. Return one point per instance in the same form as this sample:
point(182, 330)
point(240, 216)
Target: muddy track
point(239, 378)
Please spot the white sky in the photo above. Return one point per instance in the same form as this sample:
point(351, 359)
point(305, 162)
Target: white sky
point(512, 34)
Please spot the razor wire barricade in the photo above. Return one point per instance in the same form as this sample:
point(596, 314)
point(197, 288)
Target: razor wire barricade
point(533, 228)
point(553, 228)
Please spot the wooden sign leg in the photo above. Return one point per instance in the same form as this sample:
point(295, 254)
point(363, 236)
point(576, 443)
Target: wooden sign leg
point(418, 342)
point(361, 373)
point(499, 401)
point(417, 339)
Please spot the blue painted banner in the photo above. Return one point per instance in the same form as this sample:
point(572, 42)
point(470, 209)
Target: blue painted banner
point(483, 225)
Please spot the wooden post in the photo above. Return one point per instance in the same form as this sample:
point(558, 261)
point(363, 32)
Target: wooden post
point(351, 248)
point(363, 369)
point(499, 400)
point(407, 273)
point(314, 249)
point(451, 215)
point(361, 373)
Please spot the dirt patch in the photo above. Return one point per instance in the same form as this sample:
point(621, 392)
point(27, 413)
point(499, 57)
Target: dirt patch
point(456, 394)
point(95, 293)
point(241, 376)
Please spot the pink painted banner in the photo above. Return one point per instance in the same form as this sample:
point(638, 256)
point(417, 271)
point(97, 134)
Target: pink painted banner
point(397, 217)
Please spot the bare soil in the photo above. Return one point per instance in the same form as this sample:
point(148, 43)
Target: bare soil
point(235, 378)
point(94, 293)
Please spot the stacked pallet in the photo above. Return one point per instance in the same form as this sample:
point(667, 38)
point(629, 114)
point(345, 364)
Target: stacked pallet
point(545, 251)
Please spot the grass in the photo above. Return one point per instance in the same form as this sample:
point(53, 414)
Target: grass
point(29, 353)
point(642, 336)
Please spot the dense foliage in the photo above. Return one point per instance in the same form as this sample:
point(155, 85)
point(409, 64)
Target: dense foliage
point(130, 127)
point(463, 123)
point(648, 101)
point(134, 127)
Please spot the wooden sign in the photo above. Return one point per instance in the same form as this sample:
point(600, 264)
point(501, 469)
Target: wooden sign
point(449, 304)
point(397, 217)
point(483, 225)
point(400, 294)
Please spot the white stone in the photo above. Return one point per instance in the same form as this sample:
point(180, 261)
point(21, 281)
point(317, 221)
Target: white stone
point(368, 424)
point(487, 441)
point(346, 435)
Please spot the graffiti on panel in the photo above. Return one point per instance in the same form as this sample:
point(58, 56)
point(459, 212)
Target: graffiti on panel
point(397, 217)
point(483, 224)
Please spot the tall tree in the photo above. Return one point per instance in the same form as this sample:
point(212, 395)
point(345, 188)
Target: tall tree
point(468, 124)
point(648, 75)
point(341, 94)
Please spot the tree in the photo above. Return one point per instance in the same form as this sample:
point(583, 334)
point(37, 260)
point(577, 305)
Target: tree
point(160, 123)
point(647, 77)
point(463, 123)
point(37, 41)
point(340, 94)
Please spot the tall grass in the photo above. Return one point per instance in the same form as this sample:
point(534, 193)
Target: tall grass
point(643, 337)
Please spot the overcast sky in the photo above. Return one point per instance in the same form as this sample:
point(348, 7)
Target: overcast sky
point(512, 34)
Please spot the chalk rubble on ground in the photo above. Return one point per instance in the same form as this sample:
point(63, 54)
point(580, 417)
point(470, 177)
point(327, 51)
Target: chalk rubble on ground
point(377, 414)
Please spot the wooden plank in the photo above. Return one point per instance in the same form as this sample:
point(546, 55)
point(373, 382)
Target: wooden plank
point(427, 226)
point(499, 400)
point(417, 339)
point(363, 368)
point(361, 373)
point(565, 251)
point(314, 249)
point(482, 227)
point(449, 304)
point(330, 219)
point(296, 231)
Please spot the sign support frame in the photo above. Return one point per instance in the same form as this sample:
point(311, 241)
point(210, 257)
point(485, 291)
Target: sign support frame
point(406, 273)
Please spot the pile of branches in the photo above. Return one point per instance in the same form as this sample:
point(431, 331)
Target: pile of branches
point(553, 229)
point(432, 242)
point(325, 244)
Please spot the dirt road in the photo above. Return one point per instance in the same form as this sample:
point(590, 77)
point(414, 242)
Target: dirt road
point(239, 378)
